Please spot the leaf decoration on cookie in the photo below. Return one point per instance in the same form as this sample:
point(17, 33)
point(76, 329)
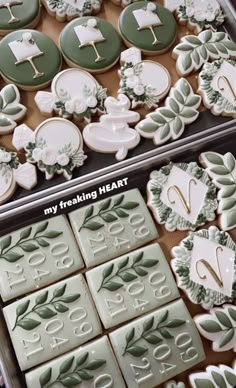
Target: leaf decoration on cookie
point(30, 240)
point(222, 170)
point(73, 371)
point(214, 377)
point(125, 273)
point(109, 211)
point(209, 22)
point(194, 51)
point(168, 122)
point(219, 327)
point(153, 332)
point(10, 108)
point(43, 308)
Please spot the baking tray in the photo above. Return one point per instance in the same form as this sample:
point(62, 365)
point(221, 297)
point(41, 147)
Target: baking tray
point(138, 176)
point(97, 164)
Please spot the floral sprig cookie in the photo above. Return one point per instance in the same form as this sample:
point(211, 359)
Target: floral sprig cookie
point(66, 10)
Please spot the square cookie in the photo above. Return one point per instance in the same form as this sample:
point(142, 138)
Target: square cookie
point(131, 285)
point(52, 321)
point(112, 227)
point(91, 365)
point(37, 255)
point(154, 348)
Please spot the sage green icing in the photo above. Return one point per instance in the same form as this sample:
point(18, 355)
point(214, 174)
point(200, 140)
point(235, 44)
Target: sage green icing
point(49, 63)
point(143, 39)
point(85, 56)
point(26, 12)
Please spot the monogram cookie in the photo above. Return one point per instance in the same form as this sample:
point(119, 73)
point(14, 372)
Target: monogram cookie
point(64, 10)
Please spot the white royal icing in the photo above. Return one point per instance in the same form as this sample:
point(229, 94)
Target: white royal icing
point(24, 48)
point(148, 17)
point(89, 33)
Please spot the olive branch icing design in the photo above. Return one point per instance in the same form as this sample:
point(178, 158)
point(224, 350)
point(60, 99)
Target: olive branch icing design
point(28, 242)
point(10, 108)
point(152, 333)
point(109, 211)
point(72, 372)
point(123, 273)
point(203, 24)
point(43, 307)
point(214, 377)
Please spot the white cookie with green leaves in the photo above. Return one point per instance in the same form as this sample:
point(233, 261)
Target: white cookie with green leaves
point(66, 10)
point(217, 87)
point(174, 384)
point(11, 110)
point(168, 122)
point(194, 51)
point(219, 327)
point(222, 170)
point(222, 376)
point(205, 267)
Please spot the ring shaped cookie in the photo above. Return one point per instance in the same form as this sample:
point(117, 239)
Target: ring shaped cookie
point(148, 26)
point(90, 43)
point(17, 14)
point(7, 183)
point(29, 59)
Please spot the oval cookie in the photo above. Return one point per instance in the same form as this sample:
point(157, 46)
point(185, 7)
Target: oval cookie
point(148, 26)
point(90, 43)
point(65, 10)
point(29, 59)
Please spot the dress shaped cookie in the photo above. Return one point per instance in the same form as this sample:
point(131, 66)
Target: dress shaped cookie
point(56, 146)
point(181, 196)
point(17, 14)
point(30, 59)
point(153, 349)
point(75, 94)
point(144, 82)
point(90, 43)
point(65, 10)
point(194, 51)
point(37, 255)
point(214, 377)
point(148, 26)
point(11, 110)
point(204, 265)
point(52, 321)
point(113, 134)
point(168, 122)
point(217, 87)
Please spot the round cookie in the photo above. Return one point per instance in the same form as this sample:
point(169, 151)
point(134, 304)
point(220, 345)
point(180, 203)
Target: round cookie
point(65, 10)
point(148, 26)
point(29, 59)
point(90, 43)
point(17, 14)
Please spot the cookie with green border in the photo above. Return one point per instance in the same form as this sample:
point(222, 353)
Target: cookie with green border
point(29, 59)
point(148, 26)
point(17, 14)
point(92, 44)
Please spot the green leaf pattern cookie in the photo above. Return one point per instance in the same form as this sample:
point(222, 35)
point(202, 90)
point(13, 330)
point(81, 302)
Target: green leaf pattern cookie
point(215, 377)
point(65, 10)
point(10, 109)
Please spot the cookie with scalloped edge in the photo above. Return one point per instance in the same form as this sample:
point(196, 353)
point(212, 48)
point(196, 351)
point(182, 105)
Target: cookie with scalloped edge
point(214, 377)
point(66, 10)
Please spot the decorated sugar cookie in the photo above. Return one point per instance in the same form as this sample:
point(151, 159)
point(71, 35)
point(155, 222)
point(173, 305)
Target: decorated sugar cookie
point(200, 14)
point(204, 264)
point(174, 384)
point(29, 59)
point(222, 169)
point(173, 5)
point(56, 148)
point(17, 14)
point(10, 109)
point(65, 10)
point(113, 134)
point(217, 87)
point(90, 43)
point(148, 26)
point(144, 82)
point(219, 327)
point(168, 123)
point(181, 196)
point(214, 377)
point(75, 94)
point(194, 51)
point(12, 173)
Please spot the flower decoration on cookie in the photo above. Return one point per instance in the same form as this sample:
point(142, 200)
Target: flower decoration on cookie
point(56, 146)
point(194, 51)
point(10, 109)
point(75, 94)
point(205, 267)
point(144, 82)
point(168, 122)
point(217, 87)
point(214, 377)
point(181, 196)
point(65, 10)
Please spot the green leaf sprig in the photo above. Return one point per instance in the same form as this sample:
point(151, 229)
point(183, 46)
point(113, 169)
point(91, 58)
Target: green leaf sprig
point(109, 211)
point(153, 333)
point(72, 372)
point(43, 308)
point(124, 272)
point(10, 108)
point(28, 242)
point(214, 377)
